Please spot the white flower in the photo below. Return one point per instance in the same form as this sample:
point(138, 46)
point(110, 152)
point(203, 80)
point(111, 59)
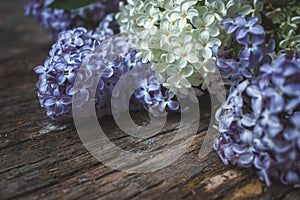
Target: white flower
point(206, 23)
point(196, 78)
point(177, 80)
point(176, 36)
point(183, 48)
point(145, 54)
point(219, 5)
point(205, 44)
point(149, 18)
point(169, 4)
point(155, 3)
point(126, 16)
point(183, 12)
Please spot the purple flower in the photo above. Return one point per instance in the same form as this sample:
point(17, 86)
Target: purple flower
point(243, 27)
point(256, 98)
point(131, 61)
point(294, 102)
point(57, 20)
point(165, 101)
point(65, 72)
point(253, 51)
point(282, 66)
point(270, 123)
point(259, 123)
point(277, 91)
point(293, 133)
point(236, 94)
point(57, 75)
point(56, 102)
point(148, 86)
point(253, 48)
point(79, 48)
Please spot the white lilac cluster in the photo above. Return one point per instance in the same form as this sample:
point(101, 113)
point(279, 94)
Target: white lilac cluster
point(177, 36)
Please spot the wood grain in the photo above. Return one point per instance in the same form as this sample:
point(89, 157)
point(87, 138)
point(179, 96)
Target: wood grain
point(40, 159)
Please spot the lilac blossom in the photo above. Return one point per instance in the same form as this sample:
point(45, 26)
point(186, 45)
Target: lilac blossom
point(57, 75)
point(77, 47)
point(155, 98)
point(253, 50)
point(258, 125)
point(57, 20)
point(165, 101)
point(243, 27)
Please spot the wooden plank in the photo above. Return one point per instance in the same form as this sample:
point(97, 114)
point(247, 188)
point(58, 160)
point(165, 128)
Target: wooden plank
point(40, 159)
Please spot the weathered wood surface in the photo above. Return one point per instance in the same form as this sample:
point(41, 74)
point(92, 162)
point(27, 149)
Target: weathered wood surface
point(38, 161)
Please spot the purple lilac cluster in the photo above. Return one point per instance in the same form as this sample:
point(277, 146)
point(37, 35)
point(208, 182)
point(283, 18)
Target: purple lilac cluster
point(57, 75)
point(77, 47)
point(260, 122)
point(149, 94)
point(58, 20)
point(249, 40)
point(155, 98)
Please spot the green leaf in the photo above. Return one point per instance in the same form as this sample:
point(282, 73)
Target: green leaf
point(296, 38)
point(284, 43)
point(246, 9)
point(70, 4)
point(296, 20)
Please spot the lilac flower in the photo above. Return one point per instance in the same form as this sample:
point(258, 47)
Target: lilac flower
point(154, 97)
point(65, 73)
point(57, 75)
point(253, 50)
point(259, 127)
point(236, 94)
point(57, 20)
point(165, 101)
point(43, 70)
point(131, 61)
point(56, 102)
point(277, 92)
point(283, 66)
point(243, 27)
point(270, 123)
point(254, 92)
point(146, 87)
point(294, 102)
point(293, 133)
point(77, 48)
point(290, 54)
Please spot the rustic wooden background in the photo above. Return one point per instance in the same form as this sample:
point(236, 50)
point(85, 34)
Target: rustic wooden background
point(40, 159)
